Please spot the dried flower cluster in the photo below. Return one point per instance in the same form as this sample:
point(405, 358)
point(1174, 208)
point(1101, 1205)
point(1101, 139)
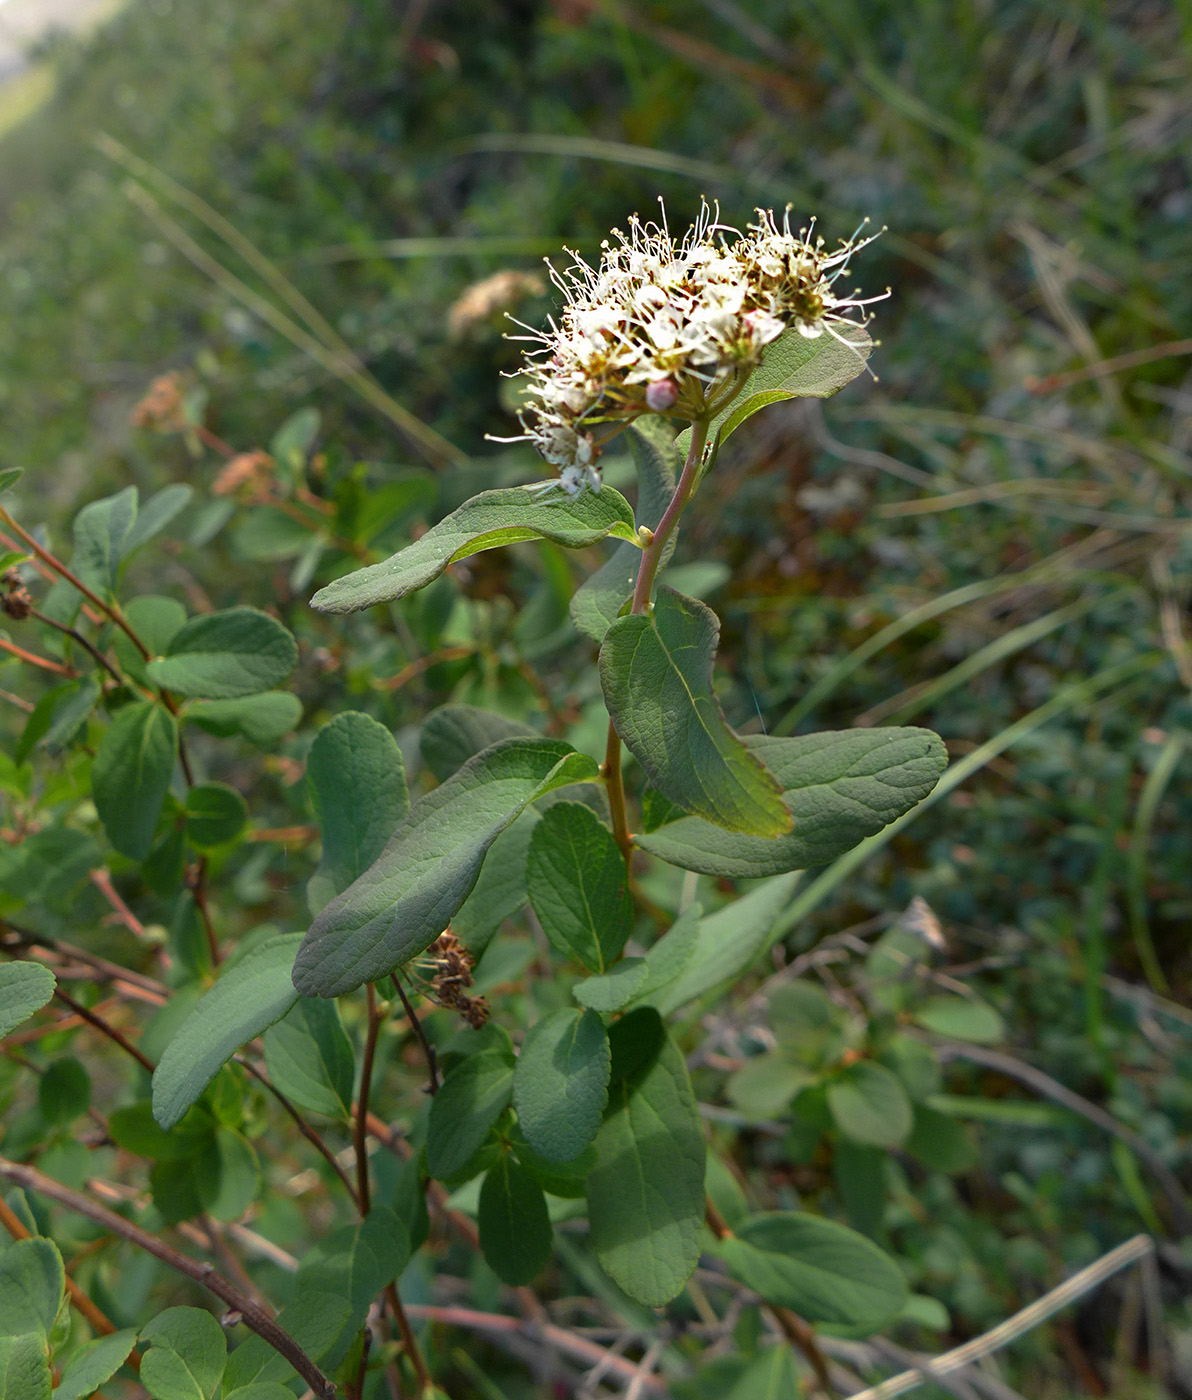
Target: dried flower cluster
point(451, 966)
point(673, 327)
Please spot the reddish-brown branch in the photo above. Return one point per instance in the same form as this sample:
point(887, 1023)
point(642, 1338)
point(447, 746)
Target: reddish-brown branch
point(302, 1125)
point(793, 1328)
point(103, 883)
point(30, 1179)
point(43, 663)
point(363, 1194)
point(105, 1028)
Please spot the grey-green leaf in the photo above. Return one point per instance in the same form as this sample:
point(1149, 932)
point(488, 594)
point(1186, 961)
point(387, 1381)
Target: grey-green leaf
point(358, 789)
point(156, 514)
point(668, 958)
point(493, 518)
point(101, 531)
point(215, 814)
point(186, 1356)
point(224, 655)
point(25, 987)
point(729, 941)
point(840, 788)
point(515, 1228)
point(613, 989)
point(454, 733)
point(598, 601)
point(131, 775)
point(576, 880)
point(32, 1280)
point(261, 719)
point(870, 1105)
point(962, 1018)
point(470, 1100)
point(646, 1193)
point(656, 671)
point(823, 1271)
point(355, 1262)
point(401, 904)
point(309, 1058)
point(249, 997)
point(24, 1368)
point(560, 1083)
point(792, 367)
point(96, 1363)
point(500, 890)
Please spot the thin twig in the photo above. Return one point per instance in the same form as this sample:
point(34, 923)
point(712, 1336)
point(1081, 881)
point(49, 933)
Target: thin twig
point(557, 1337)
point(43, 663)
point(793, 1328)
point(302, 1125)
point(76, 636)
point(110, 971)
point(108, 609)
point(363, 1193)
point(1039, 1311)
point(30, 1179)
point(432, 1063)
point(102, 881)
point(105, 1028)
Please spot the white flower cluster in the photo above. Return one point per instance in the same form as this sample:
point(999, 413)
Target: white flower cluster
point(672, 327)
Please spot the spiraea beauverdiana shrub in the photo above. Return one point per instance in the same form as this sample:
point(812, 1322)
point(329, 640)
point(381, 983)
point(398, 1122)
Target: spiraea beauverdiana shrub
point(577, 1104)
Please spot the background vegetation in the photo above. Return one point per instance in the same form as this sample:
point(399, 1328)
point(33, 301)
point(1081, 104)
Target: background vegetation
point(990, 539)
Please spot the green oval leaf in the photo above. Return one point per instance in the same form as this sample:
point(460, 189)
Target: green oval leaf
point(215, 813)
point(961, 1018)
point(131, 775)
point(792, 367)
point(94, 1364)
point(454, 733)
point(646, 1192)
point(24, 1368)
point(656, 671)
point(358, 789)
point(471, 1098)
point(101, 530)
point(261, 719)
point(839, 787)
point(612, 990)
point(32, 1282)
point(224, 655)
point(250, 996)
point(64, 1091)
point(823, 1271)
point(25, 987)
point(515, 1228)
point(309, 1058)
point(729, 941)
point(500, 889)
point(186, 1356)
point(560, 1083)
point(493, 518)
point(401, 904)
point(578, 887)
point(870, 1105)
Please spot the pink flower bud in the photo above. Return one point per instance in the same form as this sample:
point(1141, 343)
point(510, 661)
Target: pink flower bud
point(661, 395)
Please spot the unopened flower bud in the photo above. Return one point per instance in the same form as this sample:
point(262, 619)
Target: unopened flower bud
point(661, 395)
